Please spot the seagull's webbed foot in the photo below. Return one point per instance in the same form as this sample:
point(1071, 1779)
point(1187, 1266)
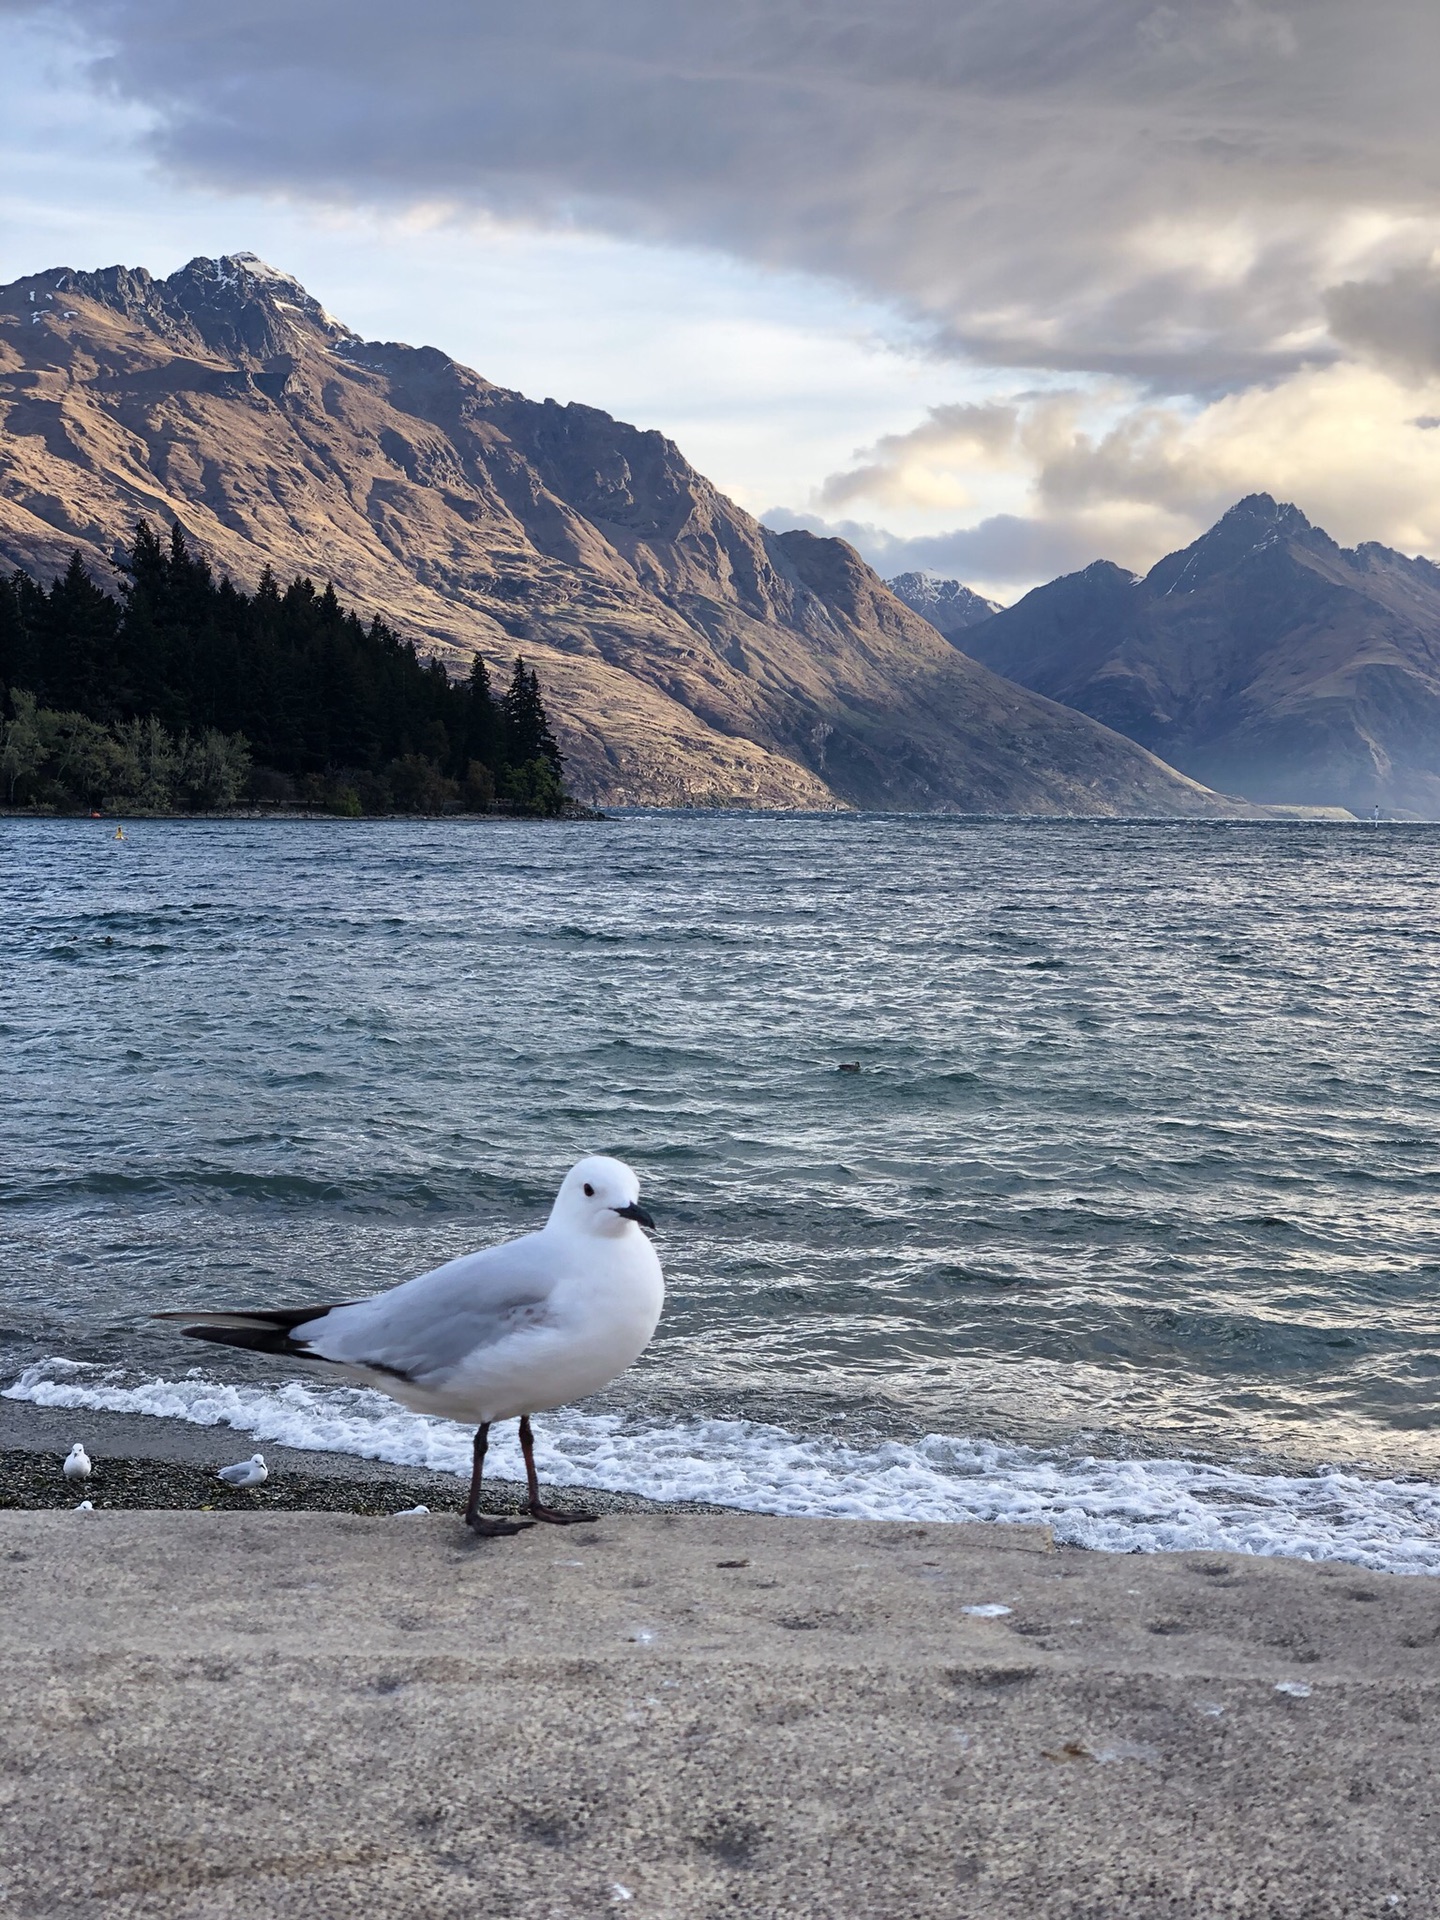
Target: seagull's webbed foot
point(489, 1529)
point(554, 1516)
point(479, 1523)
point(560, 1516)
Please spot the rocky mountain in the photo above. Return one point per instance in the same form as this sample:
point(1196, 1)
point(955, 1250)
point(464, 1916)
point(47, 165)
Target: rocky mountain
point(1263, 659)
point(950, 607)
point(687, 655)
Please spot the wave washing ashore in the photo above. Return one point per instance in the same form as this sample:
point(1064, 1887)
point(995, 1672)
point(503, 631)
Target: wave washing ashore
point(1134, 1186)
point(1124, 1506)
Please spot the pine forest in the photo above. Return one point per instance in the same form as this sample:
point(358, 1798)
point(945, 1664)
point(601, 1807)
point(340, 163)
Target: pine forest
point(184, 693)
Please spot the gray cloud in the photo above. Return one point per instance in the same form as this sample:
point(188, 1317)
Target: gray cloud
point(1006, 550)
point(1395, 320)
point(1156, 190)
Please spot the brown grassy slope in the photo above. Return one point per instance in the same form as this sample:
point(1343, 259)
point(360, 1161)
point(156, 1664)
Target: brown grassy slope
point(688, 654)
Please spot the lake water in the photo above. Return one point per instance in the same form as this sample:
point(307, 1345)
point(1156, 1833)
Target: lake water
point(1126, 1222)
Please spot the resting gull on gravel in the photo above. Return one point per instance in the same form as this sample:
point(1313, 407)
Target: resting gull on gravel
point(532, 1324)
point(77, 1463)
point(246, 1473)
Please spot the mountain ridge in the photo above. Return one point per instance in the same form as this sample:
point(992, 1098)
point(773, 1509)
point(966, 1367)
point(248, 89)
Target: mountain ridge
point(1264, 657)
point(949, 605)
point(688, 655)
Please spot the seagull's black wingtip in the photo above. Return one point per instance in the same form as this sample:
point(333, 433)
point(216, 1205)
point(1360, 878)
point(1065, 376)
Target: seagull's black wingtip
point(260, 1330)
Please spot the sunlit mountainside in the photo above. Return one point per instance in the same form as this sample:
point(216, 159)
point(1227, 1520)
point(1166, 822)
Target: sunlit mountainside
point(687, 654)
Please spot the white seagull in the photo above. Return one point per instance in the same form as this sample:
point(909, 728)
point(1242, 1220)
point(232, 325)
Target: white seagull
point(514, 1329)
point(246, 1473)
point(77, 1463)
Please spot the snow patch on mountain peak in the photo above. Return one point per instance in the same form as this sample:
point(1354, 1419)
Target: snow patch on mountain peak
point(947, 604)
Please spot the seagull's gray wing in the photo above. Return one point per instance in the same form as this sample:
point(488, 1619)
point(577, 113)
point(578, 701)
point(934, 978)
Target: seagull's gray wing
point(424, 1328)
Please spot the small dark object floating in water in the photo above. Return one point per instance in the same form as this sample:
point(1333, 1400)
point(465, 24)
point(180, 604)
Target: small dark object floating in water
point(849, 1066)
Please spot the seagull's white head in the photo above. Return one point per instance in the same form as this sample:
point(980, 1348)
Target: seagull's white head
point(257, 1459)
point(599, 1196)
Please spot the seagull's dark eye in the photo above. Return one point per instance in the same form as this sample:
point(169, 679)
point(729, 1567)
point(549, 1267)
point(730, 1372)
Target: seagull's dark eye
point(589, 1191)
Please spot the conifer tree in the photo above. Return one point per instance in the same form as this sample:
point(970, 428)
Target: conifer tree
point(482, 725)
point(527, 731)
point(14, 636)
point(146, 689)
point(78, 638)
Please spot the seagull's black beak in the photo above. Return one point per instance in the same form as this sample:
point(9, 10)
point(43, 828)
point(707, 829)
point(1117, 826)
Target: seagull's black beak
point(636, 1213)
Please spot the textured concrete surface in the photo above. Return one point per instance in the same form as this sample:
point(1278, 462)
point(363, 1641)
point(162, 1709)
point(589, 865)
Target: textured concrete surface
point(317, 1715)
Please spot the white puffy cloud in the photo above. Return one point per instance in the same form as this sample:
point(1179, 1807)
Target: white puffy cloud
point(1107, 475)
point(921, 467)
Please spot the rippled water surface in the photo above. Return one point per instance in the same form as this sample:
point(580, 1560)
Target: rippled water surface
point(1140, 1165)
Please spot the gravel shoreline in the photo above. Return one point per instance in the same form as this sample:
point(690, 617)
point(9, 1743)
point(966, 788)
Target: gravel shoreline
point(145, 1464)
point(34, 1481)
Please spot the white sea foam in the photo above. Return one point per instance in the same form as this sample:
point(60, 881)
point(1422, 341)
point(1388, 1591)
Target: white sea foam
point(1122, 1506)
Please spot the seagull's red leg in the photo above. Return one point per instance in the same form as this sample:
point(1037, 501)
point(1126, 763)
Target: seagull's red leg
point(474, 1519)
point(555, 1515)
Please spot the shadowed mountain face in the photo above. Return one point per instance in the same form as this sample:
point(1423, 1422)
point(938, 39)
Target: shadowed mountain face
point(952, 609)
point(1264, 659)
point(687, 654)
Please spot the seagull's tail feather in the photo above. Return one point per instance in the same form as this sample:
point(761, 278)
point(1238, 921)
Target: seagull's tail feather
point(261, 1331)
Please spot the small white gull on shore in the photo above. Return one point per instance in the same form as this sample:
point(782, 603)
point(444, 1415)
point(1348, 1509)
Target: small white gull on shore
point(532, 1324)
point(246, 1473)
point(77, 1463)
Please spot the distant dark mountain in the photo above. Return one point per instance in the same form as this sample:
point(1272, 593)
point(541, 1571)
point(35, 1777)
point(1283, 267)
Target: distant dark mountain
point(687, 655)
point(949, 607)
point(1264, 660)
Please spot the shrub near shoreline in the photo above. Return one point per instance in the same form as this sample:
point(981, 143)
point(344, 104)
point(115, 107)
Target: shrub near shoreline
point(183, 694)
point(65, 761)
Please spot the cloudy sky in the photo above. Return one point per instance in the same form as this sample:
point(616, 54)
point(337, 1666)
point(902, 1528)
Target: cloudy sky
point(991, 286)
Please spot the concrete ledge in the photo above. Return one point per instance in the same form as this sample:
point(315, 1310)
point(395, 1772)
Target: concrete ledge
point(315, 1714)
